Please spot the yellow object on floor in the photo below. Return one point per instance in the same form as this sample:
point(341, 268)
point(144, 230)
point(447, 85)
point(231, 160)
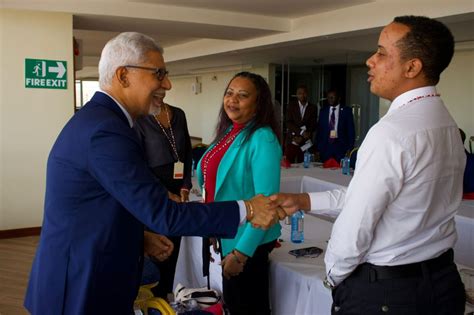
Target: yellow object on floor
point(159, 304)
point(146, 300)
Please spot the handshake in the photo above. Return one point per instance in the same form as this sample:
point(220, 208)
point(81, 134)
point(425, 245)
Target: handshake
point(263, 212)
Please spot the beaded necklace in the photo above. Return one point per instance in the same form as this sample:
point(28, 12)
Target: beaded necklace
point(420, 97)
point(220, 145)
point(171, 140)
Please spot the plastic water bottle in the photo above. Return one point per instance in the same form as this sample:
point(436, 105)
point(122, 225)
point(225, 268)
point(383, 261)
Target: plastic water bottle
point(307, 159)
point(297, 227)
point(346, 166)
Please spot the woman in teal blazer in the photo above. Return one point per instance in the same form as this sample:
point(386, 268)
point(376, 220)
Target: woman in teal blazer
point(243, 161)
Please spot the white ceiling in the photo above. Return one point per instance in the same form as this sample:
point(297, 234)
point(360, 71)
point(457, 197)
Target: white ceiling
point(205, 34)
point(276, 8)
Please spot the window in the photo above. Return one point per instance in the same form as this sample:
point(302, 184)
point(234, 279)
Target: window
point(85, 89)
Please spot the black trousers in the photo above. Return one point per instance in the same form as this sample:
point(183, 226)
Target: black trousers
point(248, 292)
point(167, 270)
point(428, 290)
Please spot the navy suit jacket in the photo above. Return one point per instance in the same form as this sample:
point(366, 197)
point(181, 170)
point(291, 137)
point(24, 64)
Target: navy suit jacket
point(345, 134)
point(99, 195)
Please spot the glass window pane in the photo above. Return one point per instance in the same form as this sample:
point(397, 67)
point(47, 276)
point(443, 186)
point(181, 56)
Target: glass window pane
point(88, 90)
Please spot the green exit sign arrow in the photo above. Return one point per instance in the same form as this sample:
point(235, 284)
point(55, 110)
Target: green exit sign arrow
point(45, 74)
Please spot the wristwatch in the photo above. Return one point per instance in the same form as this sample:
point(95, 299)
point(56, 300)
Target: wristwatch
point(328, 284)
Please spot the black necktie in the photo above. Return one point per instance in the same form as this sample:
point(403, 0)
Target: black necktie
point(332, 121)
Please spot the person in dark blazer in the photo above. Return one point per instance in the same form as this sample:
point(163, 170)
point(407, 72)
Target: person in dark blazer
point(164, 136)
point(336, 132)
point(100, 193)
point(301, 122)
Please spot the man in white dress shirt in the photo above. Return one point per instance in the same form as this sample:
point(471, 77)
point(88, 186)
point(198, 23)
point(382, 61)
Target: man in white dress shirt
point(391, 245)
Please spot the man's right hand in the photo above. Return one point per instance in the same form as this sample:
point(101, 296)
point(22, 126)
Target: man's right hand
point(174, 197)
point(297, 139)
point(290, 203)
point(260, 214)
point(157, 246)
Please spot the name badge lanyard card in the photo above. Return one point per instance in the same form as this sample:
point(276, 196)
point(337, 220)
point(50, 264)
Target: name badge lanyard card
point(178, 169)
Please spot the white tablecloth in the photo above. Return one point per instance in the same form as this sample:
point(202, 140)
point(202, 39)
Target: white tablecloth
point(296, 284)
point(334, 176)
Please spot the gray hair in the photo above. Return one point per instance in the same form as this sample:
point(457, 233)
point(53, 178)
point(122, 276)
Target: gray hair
point(128, 48)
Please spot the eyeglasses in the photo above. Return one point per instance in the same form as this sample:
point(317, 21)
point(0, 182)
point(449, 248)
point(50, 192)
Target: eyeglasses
point(160, 73)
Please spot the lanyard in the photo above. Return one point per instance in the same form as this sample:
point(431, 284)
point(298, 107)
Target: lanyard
point(171, 140)
point(420, 97)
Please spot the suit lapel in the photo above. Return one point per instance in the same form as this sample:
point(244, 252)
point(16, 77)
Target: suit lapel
point(342, 116)
point(228, 160)
point(339, 120)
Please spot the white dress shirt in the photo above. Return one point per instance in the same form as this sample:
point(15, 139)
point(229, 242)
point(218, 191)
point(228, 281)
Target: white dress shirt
point(302, 108)
point(400, 205)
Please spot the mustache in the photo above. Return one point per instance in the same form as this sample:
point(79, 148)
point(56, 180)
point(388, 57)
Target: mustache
point(161, 93)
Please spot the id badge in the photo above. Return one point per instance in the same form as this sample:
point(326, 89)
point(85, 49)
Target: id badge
point(333, 134)
point(178, 172)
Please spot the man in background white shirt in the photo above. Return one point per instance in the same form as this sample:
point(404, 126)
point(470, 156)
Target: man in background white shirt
point(391, 246)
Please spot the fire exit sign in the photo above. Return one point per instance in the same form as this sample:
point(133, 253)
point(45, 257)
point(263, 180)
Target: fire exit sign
point(45, 74)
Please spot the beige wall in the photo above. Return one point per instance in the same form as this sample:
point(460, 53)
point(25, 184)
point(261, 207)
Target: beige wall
point(457, 88)
point(202, 109)
point(30, 118)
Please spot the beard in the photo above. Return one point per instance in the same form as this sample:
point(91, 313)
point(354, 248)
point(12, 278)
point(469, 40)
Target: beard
point(154, 110)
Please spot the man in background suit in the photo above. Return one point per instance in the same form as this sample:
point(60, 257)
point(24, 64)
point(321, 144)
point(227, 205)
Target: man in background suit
point(336, 132)
point(100, 193)
point(301, 120)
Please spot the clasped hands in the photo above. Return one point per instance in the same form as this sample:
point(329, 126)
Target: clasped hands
point(263, 212)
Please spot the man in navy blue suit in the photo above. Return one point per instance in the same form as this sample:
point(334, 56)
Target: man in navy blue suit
point(336, 132)
point(100, 194)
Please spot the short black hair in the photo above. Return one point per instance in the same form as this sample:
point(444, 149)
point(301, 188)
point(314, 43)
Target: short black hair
point(302, 86)
point(335, 91)
point(428, 40)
